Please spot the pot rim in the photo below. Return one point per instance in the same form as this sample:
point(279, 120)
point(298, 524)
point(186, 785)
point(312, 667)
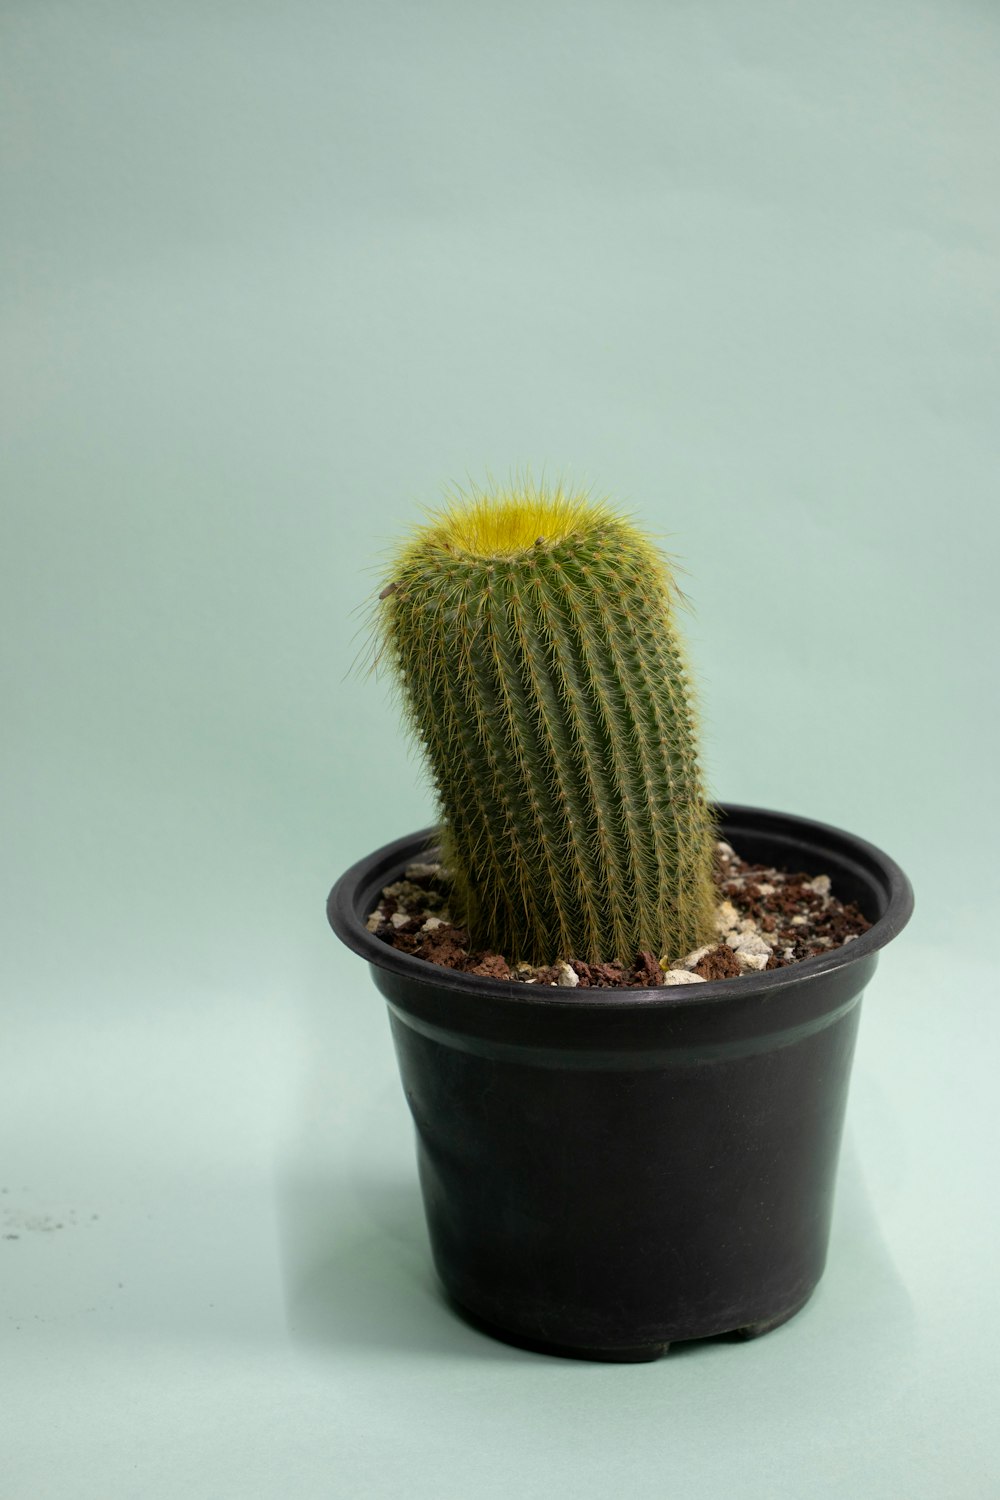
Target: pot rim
point(873, 866)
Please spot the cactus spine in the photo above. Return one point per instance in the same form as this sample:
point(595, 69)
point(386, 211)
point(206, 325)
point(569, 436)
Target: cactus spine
point(532, 635)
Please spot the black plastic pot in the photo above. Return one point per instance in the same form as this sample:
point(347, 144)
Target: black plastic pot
point(607, 1171)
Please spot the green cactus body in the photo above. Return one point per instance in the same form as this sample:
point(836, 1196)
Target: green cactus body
point(532, 634)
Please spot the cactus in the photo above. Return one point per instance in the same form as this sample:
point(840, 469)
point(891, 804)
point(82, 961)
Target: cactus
point(532, 634)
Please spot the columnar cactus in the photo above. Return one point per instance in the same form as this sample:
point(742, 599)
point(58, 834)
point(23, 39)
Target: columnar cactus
point(533, 637)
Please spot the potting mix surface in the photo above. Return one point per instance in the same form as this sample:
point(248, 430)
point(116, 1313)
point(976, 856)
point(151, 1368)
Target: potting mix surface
point(765, 919)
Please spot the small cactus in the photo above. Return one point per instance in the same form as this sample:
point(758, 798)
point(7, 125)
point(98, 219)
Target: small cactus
point(532, 634)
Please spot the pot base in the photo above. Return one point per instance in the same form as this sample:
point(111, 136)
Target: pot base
point(637, 1355)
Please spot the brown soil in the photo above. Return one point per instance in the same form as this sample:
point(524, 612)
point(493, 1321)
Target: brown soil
point(796, 914)
point(720, 963)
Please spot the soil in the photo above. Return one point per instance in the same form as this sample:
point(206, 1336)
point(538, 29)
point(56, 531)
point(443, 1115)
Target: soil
point(765, 919)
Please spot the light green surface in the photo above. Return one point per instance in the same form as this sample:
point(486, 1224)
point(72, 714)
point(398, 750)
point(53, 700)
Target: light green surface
point(271, 276)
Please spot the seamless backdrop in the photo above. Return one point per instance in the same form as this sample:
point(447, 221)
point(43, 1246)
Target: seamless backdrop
point(271, 278)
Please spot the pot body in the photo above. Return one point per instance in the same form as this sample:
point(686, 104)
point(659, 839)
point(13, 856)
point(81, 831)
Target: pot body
point(606, 1172)
point(614, 1209)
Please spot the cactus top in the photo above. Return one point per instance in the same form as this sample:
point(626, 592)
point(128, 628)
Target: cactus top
point(532, 635)
point(509, 522)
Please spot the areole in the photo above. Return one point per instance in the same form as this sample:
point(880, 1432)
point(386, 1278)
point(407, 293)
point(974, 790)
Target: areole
point(608, 1171)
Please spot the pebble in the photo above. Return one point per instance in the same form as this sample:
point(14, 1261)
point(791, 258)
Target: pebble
point(568, 977)
point(753, 962)
point(726, 917)
point(751, 951)
point(682, 976)
point(749, 942)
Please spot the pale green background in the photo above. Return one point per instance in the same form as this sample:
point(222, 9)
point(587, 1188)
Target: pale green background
point(272, 276)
